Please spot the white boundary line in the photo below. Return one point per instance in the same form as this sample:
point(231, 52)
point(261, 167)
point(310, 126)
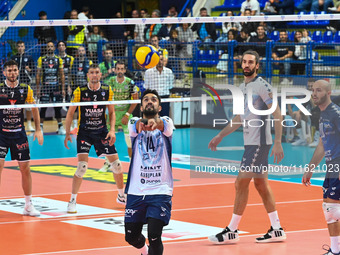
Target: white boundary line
point(168, 243)
point(37, 219)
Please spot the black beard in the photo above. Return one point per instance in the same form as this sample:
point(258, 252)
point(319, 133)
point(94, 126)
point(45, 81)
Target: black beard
point(249, 73)
point(150, 112)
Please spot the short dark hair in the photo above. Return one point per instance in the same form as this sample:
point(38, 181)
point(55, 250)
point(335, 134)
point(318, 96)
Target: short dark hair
point(42, 13)
point(50, 41)
point(120, 62)
point(251, 52)
point(85, 9)
point(61, 42)
point(20, 42)
point(94, 66)
point(283, 31)
point(150, 91)
point(11, 63)
point(203, 9)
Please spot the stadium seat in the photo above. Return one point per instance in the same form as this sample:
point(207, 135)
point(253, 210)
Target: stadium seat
point(337, 37)
point(317, 36)
point(291, 36)
point(275, 35)
point(230, 5)
point(327, 37)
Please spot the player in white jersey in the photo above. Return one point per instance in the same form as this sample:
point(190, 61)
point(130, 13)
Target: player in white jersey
point(257, 141)
point(150, 184)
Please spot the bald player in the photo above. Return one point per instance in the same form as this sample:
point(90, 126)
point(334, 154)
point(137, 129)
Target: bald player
point(328, 147)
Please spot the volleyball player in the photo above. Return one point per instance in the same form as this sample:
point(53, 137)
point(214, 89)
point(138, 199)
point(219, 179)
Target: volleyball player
point(123, 89)
point(93, 131)
point(328, 147)
point(12, 129)
point(150, 183)
point(257, 141)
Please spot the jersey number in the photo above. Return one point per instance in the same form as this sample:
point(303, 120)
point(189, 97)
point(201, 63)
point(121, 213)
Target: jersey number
point(94, 97)
point(12, 94)
point(149, 144)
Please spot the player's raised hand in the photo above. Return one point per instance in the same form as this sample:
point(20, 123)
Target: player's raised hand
point(67, 138)
point(214, 142)
point(111, 136)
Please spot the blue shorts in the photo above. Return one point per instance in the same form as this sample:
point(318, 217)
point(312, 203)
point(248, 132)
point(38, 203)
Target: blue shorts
point(331, 185)
point(255, 158)
point(140, 208)
point(18, 144)
point(86, 139)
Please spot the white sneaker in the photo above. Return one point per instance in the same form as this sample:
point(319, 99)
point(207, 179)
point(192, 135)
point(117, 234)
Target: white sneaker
point(29, 210)
point(300, 142)
point(30, 128)
point(72, 207)
point(316, 140)
point(105, 168)
point(121, 199)
point(226, 236)
point(61, 131)
point(285, 81)
point(273, 235)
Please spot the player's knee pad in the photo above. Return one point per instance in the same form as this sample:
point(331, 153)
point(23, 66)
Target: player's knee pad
point(331, 211)
point(128, 140)
point(81, 169)
point(116, 167)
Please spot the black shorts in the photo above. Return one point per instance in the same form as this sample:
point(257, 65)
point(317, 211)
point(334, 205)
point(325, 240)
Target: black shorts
point(331, 185)
point(86, 139)
point(54, 96)
point(140, 208)
point(18, 144)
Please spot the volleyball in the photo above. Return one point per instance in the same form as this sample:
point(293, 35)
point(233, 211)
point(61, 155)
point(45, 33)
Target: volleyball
point(147, 56)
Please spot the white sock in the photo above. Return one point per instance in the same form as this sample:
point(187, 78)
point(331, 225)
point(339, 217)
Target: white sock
point(235, 220)
point(74, 197)
point(274, 220)
point(144, 250)
point(28, 200)
point(29, 122)
point(335, 244)
point(121, 192)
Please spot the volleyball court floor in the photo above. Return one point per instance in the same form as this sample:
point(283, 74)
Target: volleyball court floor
point(202, 205)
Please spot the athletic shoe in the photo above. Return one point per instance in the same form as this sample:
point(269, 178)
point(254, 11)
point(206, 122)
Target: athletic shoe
point(329, 251)
point(72, 207)
point(316, 140)
point(61, 131)
point(273, 235)
point(300, 142)
point(121, 199)
point(226, 236)
point(29, 210)
point(30, 128)
point(105, 168)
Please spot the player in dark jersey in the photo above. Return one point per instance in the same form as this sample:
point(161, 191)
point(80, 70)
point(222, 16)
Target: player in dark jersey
point(328, 147)
point(92, 130)
point(26, 70)
point(12, 129)
point(50, 70)
point(67, 66)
